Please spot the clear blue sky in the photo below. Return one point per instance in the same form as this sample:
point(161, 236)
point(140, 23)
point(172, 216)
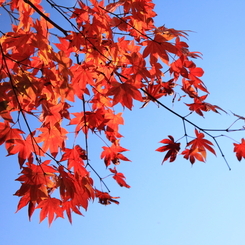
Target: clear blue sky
point(174, 203)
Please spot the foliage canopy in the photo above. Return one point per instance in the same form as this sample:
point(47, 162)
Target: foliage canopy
point(102, 56)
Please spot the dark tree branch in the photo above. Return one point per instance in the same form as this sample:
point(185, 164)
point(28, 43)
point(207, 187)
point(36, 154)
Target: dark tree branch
point(47, 18)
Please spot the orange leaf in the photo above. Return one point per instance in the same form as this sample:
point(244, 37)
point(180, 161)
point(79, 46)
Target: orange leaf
point(52, 139)
point(193, 155)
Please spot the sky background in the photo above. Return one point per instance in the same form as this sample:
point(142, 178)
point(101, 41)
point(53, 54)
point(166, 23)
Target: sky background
point(174, 203)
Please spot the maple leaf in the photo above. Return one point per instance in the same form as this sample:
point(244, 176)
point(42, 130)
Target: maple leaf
point(159, 48)
point(114, 120)
point(189, 89)
point(177, 68)
point(105, 198)
point(66, 184)
point(52, 139)
point(138, 69)
point(69, 206)
point(199, 105)
point(171, 146)
point(198, 148)
point(51, 114)
point(113, 154)
point(171, 33)
point(8, 133)
point(124, 93)
point(82, 76)
point(119, 177)
point(49, 208)
point(38, 174)
point(112, 125)
point(64, 45)
point(75, 159)
point(75, 191)
point(37, 181)
point(239, 149)
point(24, 148)
point(89, 120)
point(153, 92)
point(25, 199)
point(193, 155)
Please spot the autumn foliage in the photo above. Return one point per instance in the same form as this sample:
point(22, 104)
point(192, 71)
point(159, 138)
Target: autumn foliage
point(67, 73)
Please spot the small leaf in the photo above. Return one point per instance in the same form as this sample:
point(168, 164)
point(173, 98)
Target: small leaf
point(240, 149)
point(198, 148)
point(105, 198)
point(172, 148)
point(119, 177)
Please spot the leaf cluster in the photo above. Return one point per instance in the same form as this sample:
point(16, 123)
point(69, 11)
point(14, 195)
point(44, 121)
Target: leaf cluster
point(97, 55)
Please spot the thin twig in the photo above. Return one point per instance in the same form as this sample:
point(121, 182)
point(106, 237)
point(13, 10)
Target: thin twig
point(188, 121)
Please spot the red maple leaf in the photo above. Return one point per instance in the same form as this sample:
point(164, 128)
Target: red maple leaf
point(199, 105)
point(8, 133)
point(119, 177)
point(89, 120)
point(66, 183)
point(36, 183)
point(69, 206)
point(52, 138)
point(49, 208)
point(105, 198)
point(52, 114)
point(82, 76)
point(75, 159)
point(240, 149)
point(193, 155)
point(171, 146)
point(38, 174)
point(152, 92)
point(114, 120)
point(24, 148)
point(113, 154)
point(198, 148)
point(159, 48)
point(124, 93)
